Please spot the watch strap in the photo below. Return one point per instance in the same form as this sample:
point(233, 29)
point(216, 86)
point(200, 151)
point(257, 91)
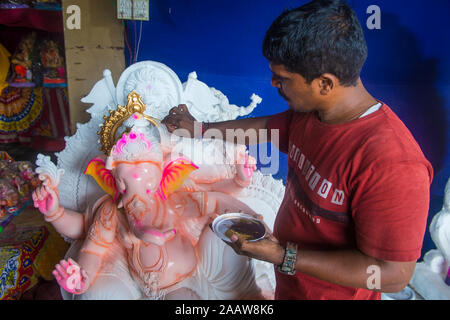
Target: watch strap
point(290, 258)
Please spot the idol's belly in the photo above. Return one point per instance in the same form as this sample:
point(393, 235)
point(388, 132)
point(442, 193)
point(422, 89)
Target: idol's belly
point(173, 262)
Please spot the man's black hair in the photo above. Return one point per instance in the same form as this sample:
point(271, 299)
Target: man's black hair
point(322, 36)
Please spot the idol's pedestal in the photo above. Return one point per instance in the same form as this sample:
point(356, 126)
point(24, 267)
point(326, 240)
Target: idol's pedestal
point(429, 277)
point(430, 284)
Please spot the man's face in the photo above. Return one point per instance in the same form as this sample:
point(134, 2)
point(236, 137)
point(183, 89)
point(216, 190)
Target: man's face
point(293, 88)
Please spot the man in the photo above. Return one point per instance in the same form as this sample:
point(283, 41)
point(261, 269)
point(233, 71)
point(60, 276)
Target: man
point(354, 214)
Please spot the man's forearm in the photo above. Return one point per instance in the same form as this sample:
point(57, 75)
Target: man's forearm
point(346, 268)
point(243, 131)
point(352, 268)
point(349, 268)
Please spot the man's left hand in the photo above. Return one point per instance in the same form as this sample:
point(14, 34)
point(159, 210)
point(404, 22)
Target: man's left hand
point(267, 249)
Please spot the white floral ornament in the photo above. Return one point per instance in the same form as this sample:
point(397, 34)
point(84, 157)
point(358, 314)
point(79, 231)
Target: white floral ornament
point(47, 170)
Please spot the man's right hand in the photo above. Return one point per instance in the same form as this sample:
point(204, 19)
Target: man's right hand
point(179, 118)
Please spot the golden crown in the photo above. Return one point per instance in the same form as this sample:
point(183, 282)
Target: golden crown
point(117, 117)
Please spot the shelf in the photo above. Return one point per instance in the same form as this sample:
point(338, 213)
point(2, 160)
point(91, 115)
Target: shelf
point(46, 20)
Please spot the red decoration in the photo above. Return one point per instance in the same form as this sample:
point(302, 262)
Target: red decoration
point(46, 20)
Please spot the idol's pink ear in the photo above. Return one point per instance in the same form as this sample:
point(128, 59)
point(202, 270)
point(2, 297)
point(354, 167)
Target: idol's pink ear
point(104, 178)
point(174, 175)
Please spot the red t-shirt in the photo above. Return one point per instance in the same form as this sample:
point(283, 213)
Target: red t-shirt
point(359, 185)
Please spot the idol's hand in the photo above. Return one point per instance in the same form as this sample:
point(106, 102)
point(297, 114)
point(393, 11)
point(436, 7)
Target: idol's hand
point(179, 118)
point(46, 199)
point(71, 277)
point(245, 167)
point(189, 185)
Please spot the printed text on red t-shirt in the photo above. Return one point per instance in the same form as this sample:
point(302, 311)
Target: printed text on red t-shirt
point(317, 184)
point(313, 177)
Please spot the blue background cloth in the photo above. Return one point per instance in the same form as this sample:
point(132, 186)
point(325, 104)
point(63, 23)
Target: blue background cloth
point(407, 68)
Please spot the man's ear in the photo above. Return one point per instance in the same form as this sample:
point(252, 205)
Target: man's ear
point(326, 83)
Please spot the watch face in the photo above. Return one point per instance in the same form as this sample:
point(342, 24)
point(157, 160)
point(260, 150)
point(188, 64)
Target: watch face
point(243, 225)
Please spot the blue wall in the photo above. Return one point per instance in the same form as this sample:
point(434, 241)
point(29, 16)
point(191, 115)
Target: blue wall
point(408, 64)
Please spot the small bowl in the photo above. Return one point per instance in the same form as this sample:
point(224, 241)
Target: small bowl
point(246, 226)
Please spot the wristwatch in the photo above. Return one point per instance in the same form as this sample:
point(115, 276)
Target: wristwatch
point(290, 257)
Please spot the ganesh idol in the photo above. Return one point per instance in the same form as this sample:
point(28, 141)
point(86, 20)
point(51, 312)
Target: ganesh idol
point(152, 224)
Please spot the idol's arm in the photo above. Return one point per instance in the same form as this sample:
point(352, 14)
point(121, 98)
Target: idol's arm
point(67, 222)
point(219, 203)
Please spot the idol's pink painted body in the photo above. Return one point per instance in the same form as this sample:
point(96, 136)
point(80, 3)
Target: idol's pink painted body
point(154, 210)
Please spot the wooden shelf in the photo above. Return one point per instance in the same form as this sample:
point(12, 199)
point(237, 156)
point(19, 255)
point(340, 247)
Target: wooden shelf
point(46, 20)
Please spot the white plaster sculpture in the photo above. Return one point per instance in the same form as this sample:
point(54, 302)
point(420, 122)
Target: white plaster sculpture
point(429, 277)
point(225, 274)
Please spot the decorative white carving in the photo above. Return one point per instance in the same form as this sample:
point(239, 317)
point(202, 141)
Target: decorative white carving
point(77, 190)
point(440, 228)
point(435, 261)
point(211, 105)
point(102, 97)
point(159, 87)
point(47, 170)
point(406, 294)
point(429, 276)
point(162, 90)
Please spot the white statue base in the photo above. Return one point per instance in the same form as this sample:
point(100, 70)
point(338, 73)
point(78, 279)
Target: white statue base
point(429, 277)
point(406, 294)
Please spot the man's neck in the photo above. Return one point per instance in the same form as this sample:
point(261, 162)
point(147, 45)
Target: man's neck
point(349, 104)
